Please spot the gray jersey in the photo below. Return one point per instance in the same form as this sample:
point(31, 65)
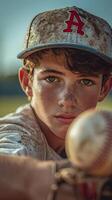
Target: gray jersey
point(20, 134)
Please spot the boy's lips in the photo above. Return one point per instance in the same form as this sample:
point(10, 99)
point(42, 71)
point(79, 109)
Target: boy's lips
point(65, 118)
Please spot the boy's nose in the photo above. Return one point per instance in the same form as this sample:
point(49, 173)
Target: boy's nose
point(67, 100)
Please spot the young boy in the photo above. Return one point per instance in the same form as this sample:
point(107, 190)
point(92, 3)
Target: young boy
point(67, 65)
point(67, 70)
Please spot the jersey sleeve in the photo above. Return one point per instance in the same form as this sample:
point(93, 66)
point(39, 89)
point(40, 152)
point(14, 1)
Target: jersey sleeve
point(10, 143)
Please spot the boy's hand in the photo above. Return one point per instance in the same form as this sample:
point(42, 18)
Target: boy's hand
point(74, 184)
point(23, 178)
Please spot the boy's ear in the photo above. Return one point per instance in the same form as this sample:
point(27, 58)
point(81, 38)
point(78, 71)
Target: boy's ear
point(105, 89)
point(24, 81)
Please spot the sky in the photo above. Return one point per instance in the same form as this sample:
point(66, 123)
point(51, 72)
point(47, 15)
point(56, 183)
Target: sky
point(15, 16)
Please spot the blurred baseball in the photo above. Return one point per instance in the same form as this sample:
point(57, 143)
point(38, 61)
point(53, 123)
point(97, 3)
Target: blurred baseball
point(89, 142)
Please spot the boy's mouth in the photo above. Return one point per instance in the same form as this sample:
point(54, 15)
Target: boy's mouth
point(65, 118)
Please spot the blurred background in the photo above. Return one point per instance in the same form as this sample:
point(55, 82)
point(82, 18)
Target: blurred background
point(15, 16)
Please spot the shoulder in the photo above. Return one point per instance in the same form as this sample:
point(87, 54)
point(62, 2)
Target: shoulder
point(22, 128)
point(22, 119)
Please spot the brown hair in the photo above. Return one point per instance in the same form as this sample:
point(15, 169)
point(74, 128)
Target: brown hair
point(77, 60)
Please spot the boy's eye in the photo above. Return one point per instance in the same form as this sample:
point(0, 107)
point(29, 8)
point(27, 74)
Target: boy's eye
point(87, 82)
point(52, 79)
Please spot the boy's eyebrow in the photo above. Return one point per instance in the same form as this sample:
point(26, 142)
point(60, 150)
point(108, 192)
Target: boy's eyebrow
point(89, 75)
point(52, 71)
point(61, 73)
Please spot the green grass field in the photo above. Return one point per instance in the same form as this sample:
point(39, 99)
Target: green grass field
point(9, 104)
point(106, 104)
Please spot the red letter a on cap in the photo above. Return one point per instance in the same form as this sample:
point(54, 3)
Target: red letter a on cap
point(77, 23)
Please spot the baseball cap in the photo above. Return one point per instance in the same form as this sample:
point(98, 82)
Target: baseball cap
point(69, 27)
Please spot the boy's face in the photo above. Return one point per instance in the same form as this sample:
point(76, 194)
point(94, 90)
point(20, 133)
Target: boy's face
point(60, 95)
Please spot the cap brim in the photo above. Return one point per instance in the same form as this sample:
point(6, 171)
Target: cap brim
point(27, 52)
